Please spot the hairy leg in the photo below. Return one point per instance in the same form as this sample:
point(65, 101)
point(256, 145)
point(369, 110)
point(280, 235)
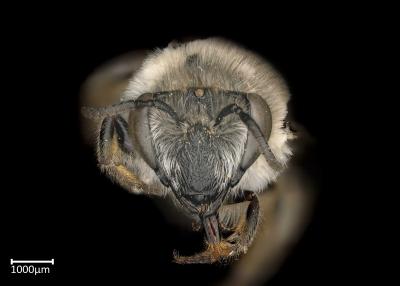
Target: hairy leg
point(243, 221)
point(246, 229)
point(114, 148)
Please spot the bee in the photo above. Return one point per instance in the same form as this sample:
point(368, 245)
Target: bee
point(202, 123)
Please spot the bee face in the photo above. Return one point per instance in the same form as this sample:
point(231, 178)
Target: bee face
point(198, 158)
point(202, 168)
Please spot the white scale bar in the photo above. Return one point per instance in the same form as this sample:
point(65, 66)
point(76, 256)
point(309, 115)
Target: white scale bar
point(31, 261)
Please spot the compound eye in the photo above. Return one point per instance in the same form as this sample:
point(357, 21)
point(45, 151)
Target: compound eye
point(260, 112)
point(141, 133)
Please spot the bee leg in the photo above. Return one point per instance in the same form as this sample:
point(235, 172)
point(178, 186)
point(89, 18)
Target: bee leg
point(230, 215)
point(245, 231)
point(105, 142)
point(214, 253)
point(196, 226)
point(114, 149)
point(244, 228)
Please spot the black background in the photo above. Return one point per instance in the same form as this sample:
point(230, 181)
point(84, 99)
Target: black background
point(58, 205)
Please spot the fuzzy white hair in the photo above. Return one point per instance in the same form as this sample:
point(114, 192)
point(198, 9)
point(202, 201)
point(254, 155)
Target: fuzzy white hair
point(223, 65)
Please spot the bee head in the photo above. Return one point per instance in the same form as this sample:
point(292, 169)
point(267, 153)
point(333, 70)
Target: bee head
point(199, 143)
